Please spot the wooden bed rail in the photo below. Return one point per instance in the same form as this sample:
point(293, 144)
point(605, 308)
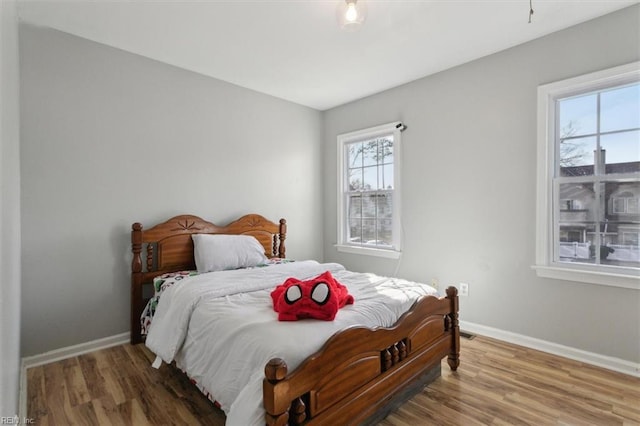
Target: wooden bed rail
point(359, 365)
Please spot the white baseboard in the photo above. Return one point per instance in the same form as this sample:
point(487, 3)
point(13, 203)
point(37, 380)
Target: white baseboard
point(610, 363)
point(75, 350)
point(59, 354)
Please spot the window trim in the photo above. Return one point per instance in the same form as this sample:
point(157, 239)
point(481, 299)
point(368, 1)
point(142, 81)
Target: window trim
point(545, 265)
point(363, 134)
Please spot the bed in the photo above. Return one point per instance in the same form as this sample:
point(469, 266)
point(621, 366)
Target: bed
point(355, 376)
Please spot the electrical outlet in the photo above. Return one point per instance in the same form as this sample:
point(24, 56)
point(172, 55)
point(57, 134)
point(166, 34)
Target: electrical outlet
point(434, 283)
point(463, 289)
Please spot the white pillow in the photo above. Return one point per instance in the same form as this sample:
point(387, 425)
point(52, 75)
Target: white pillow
point(215, 252)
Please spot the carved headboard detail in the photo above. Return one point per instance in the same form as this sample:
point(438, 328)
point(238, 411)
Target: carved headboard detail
point(168, 247)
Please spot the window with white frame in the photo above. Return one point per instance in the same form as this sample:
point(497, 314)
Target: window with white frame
point(589, 178)
point(369, 191)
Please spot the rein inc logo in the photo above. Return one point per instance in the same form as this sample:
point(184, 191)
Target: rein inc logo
point(15, 420)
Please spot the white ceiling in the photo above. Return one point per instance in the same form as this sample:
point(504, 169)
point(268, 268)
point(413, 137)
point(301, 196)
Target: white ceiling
point(294, 50)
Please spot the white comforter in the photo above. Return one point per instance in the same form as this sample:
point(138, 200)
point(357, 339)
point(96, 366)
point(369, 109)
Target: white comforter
point(221, 329)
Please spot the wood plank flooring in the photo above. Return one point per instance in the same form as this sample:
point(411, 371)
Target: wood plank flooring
point(497, 383)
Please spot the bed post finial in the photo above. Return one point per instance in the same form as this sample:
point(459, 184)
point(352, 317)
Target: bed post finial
point(454, 355)
point(275, 370)
point(136, 247)
point(282, 236)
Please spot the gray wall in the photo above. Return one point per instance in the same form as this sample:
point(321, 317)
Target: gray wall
point(110, 138)
point(9, 211)
point(469, 194)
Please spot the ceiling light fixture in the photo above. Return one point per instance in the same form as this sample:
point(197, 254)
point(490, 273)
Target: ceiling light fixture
point(351, 14)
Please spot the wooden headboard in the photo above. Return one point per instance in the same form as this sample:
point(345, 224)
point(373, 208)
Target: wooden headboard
point(168, 247)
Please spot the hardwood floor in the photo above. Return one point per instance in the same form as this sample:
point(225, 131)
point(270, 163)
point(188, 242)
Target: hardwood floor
point(503, 384)
point(497, 383)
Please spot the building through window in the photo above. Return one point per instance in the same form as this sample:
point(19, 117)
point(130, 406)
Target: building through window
point(588, 213)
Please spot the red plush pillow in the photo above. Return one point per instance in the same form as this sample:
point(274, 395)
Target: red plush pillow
point(318, 298)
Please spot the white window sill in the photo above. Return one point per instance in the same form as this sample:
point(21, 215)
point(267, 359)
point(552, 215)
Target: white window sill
point(368, 251)
point(589, 276)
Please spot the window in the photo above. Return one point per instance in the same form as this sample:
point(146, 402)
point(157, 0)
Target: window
point(625, 205)
point(368, 191)
point(589, 178)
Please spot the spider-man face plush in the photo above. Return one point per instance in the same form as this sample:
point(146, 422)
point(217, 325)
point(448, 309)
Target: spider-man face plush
point(318, 298)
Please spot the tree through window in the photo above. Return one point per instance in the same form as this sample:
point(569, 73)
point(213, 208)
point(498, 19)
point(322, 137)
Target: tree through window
point(369, 188)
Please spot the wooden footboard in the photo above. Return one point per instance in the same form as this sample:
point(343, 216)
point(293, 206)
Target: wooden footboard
point(359, 370)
